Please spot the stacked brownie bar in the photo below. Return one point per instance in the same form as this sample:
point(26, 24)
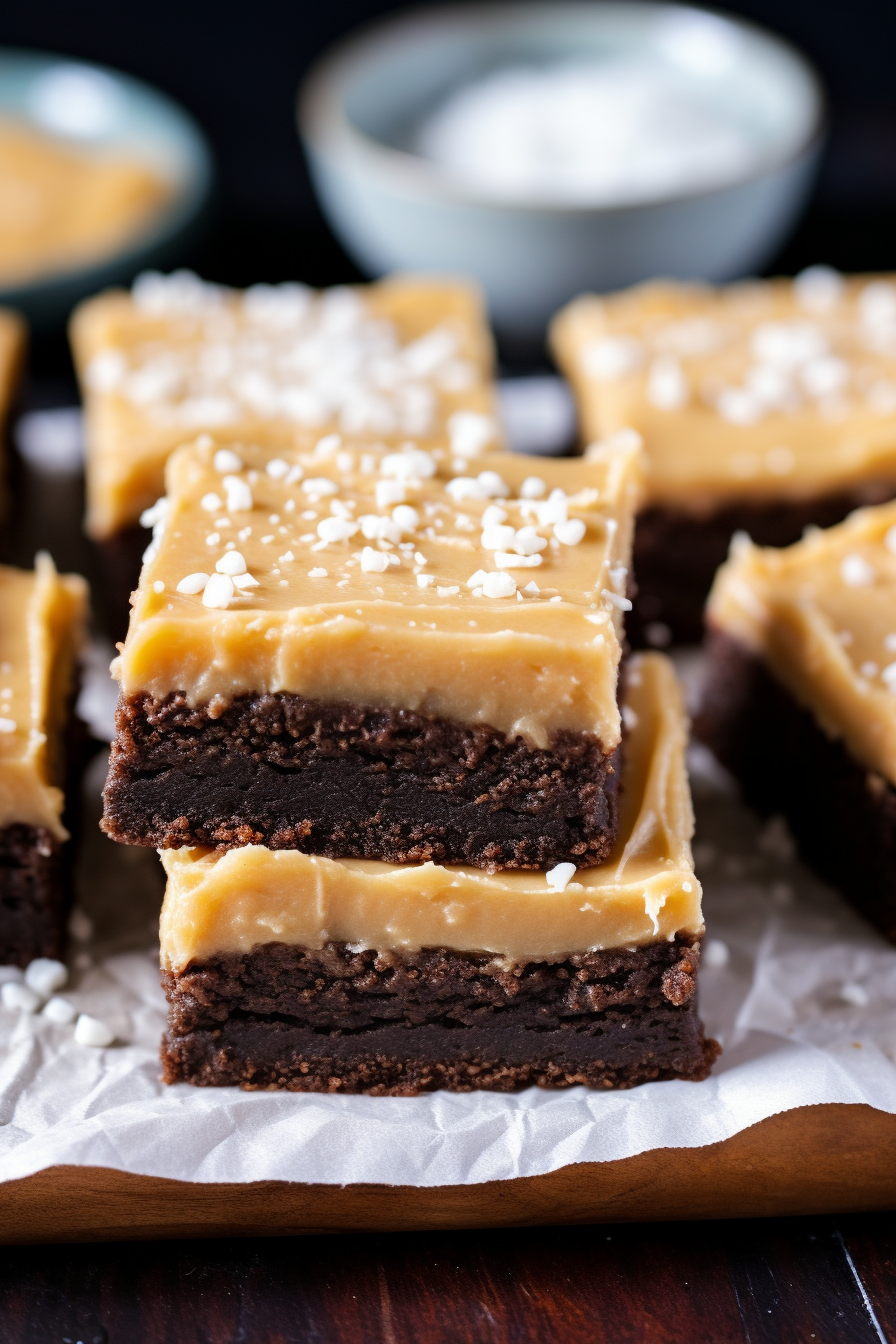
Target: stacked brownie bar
point(275, 364)
point(289, 970)
point(800, 696)
point(42, 618)
point(369, 710)
point(763, 407)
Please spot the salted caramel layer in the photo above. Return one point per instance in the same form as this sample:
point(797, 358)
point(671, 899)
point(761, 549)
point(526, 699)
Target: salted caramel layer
point(63, 205)
point(822, 614)
point(42, 618)
point(782, 389)
point(389, 580)
point(409, 357)
point(647, 892)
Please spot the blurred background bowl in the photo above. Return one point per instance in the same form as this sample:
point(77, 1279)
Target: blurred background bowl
point(94, 107)
point(394, 209)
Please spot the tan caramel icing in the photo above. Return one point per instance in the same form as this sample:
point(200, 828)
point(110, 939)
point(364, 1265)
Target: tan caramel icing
point(63, 206)
point(822, 614)
point(647, 892)
point(278, 364)
point(419, 629)
point(783, 389)
point(42, 617)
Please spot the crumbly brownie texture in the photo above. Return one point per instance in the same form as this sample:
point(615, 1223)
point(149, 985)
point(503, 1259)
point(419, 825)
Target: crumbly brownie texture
point(34, 895)
point(398, 1024)
point(842, 815)
point(676, 553)
point(347, 781)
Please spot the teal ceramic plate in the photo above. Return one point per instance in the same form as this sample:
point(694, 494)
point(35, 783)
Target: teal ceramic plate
point(91, 106)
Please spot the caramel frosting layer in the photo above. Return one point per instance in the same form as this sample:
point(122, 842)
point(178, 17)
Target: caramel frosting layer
point(781, 389)
point(234, 900)
point(389, 580)
point(822, 614)
point(42, 619)
point(409, 357)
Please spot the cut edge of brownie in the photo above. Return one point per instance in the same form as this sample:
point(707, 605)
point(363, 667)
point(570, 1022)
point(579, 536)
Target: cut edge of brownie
point(397, 1024)
point(842, 815)
point(677, 551)
point(353, 781)
point(35, 894)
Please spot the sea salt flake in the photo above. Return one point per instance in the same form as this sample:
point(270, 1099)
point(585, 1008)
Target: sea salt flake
point(570, 533)
point(232, 563)
point(498, 585)
point(226, 460)
point(855, 571)
point(374, 562)
point(193, 583)
point(218, 591)
point(559, 877)
point(93, 1031)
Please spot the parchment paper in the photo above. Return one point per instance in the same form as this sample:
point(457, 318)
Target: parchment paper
point(790, 1039)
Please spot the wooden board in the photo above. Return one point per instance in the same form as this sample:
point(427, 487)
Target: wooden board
point(818, 1159)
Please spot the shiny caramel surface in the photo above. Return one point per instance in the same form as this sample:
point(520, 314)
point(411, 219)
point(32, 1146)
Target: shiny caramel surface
point(42, 619)
point(409, 357)
point(236, 900)
point(822, 614)
point(780, 389)
point(390, 580)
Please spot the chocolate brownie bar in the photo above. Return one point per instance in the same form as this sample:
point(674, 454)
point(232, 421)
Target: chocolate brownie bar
point(40, 633)
point(290, 971)
point(799, 699)
point(764, 407)
point(398, 662)
point(405, 358)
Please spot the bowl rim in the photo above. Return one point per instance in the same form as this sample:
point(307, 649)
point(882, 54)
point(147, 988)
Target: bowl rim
point(326, 128)
point(189, 198)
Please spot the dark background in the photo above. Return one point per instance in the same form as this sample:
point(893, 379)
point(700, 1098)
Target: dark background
point(236, 67)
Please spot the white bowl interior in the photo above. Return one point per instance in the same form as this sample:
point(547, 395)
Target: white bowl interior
point(386, 82)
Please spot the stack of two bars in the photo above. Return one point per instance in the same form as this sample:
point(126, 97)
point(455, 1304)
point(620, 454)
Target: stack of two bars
point(370, 716)
point(372, 723)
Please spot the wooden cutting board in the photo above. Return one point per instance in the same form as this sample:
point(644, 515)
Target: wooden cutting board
point(815, 1160)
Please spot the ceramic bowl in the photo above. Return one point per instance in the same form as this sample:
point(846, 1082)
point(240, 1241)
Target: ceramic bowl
point(394, 209)
point(91, 106)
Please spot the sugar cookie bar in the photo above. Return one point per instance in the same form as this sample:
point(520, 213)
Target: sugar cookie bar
point(289, 971)
point(800, 697)
point(42, 618)
point(368, 655)
point(763, 407)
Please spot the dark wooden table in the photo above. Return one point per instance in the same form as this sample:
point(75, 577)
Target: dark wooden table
point(791, 1281)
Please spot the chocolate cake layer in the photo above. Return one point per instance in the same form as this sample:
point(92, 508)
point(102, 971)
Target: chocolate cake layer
point(677, 552)
point(348, 781)
point(398, 1024)
point(843, 816)
point(34, 895)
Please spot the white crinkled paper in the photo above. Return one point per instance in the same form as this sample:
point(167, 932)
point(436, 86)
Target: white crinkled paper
point(790, 1039)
